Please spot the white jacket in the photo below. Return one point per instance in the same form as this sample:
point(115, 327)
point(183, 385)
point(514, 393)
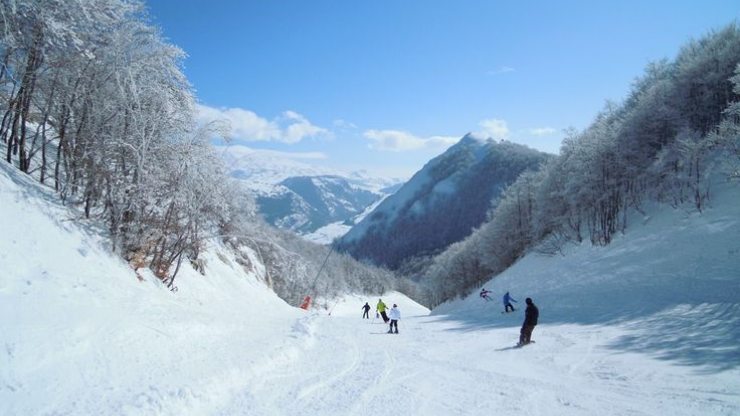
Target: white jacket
point(394, 313)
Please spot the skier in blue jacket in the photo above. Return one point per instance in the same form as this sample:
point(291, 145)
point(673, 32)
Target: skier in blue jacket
point(507, 302)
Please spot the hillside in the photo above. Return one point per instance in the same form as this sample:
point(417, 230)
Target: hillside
point(441, 203)
point(645, 326)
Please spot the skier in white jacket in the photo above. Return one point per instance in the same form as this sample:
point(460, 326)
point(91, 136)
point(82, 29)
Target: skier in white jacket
point(395, 316)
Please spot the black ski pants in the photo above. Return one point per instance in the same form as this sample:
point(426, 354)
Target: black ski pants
point(366, 314)
point(393, 323)
point(509, 305)
point(385, 317)
point(526, 334)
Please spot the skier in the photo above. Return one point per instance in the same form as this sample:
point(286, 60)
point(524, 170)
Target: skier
point(484, 294)
point(381, 309)
point(531, 314)
point(366, 308)
point(507, 302)
point(395, 316)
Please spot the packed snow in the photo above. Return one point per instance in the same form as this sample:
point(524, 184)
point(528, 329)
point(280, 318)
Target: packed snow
point(649, 325)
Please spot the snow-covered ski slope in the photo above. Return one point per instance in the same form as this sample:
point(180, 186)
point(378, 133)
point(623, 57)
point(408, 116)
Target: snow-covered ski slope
point(647, 326)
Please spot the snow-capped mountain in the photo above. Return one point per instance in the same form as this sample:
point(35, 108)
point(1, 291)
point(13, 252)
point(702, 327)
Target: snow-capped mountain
point(306, 203)
point(302, 197)
point(441, 203)
point(261, 170)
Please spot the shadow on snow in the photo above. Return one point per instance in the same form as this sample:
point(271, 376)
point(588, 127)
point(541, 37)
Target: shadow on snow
point(669, 322)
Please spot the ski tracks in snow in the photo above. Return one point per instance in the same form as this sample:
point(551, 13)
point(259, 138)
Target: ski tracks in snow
point(330, 373)
point(341, 365)
point(353, 367)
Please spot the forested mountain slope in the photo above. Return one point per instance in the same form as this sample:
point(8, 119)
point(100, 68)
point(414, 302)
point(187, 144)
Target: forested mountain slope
point(441, 203)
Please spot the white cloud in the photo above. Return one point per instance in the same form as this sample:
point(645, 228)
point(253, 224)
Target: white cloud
point(298, 127)
point(401, 141)
point(290, 127)
point(542, 131)
point(344, 124)
point(240, 150)
point(494, 128)
point(501, 70)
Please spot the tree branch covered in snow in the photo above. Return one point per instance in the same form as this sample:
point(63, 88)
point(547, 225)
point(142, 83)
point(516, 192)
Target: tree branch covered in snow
point(94, 103)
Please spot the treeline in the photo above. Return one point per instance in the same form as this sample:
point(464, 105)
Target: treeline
point(94, 103)
point(295, 267)
point(678, 129)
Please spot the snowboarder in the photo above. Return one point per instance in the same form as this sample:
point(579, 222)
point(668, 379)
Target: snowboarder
point(395, 316)
point(366, 308)
point(531, 314)
point(507, 302)
point(381, 309)
point(484, 294)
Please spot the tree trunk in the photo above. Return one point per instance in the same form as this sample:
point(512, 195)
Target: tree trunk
point(28, 85)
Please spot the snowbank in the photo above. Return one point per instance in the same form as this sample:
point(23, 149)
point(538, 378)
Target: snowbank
point(80, 334)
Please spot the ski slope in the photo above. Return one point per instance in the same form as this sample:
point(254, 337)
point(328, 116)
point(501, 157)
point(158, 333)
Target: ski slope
point(647, 326)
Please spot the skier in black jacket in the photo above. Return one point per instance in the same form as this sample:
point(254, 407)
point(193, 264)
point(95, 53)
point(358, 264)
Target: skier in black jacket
point(531, 314)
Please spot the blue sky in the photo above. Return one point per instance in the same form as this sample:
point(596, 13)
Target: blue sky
point(387, 85)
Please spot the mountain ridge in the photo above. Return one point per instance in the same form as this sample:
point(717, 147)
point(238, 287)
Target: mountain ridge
point(441, 203)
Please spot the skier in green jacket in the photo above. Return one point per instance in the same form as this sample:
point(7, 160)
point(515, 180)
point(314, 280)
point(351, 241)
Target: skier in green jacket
point(381, 308)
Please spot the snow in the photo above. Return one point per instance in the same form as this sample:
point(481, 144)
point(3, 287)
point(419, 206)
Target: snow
point(389, 207)
point(480, 137)
point(327, 234)
point(645, 326)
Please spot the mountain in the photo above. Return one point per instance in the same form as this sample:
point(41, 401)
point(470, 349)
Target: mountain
point(306, 203)
point(317, 202)
point(441, 203)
